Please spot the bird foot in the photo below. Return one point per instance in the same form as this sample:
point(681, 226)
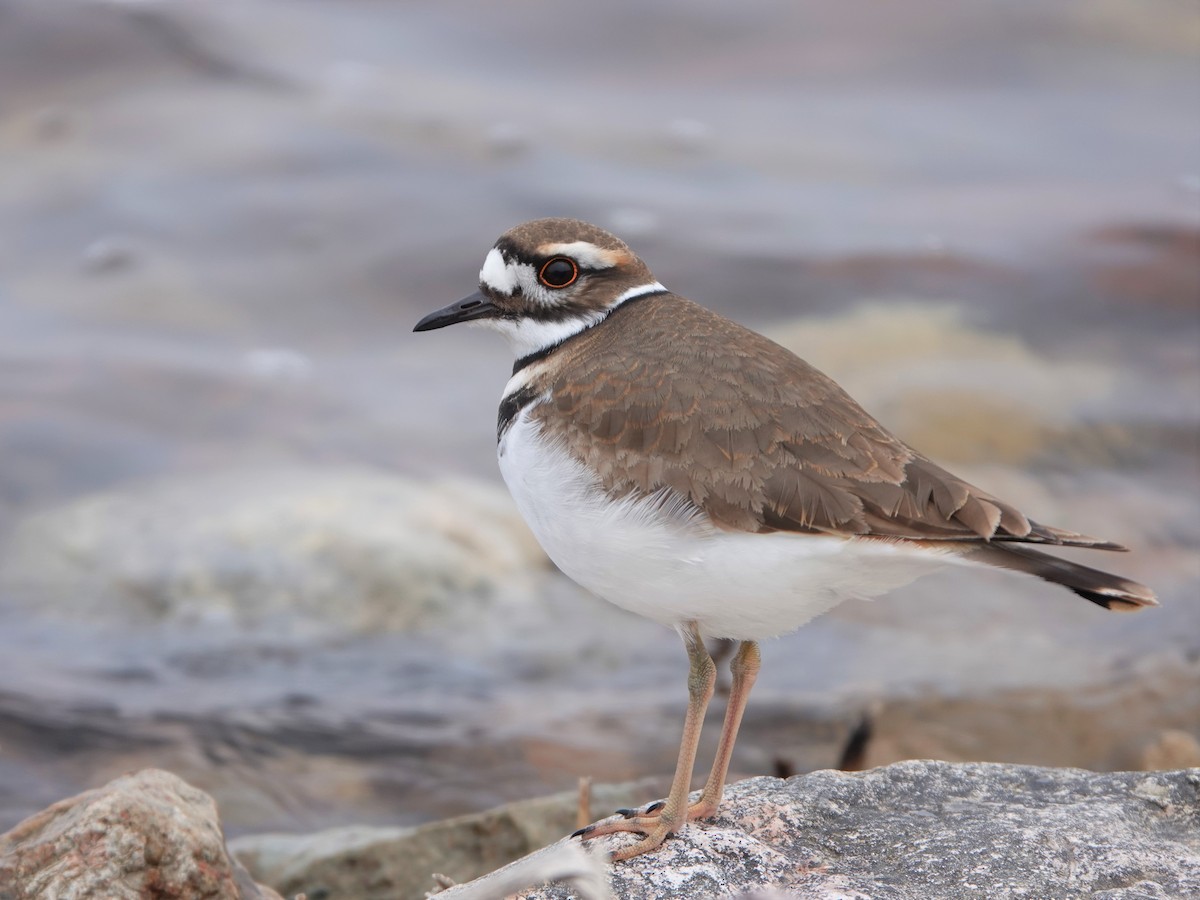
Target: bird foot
point(649, 810)
point(652, 829)
point(701, 809)
point(650, 822)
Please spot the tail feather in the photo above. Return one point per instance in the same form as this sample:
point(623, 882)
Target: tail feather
point(1102, 588)
point(1048, 534)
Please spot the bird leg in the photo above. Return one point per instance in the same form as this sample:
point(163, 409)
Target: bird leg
point(744, 668)
point(673, 813)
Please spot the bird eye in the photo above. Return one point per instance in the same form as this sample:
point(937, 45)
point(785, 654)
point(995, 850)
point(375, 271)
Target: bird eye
point(558, 272)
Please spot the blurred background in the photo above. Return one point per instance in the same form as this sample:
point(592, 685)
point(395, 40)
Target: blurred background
point(251, 527)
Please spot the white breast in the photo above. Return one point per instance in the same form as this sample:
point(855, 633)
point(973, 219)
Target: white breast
point(661, 561)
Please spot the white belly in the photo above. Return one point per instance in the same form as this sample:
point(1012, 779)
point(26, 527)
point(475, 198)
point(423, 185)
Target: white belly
point(648, 557)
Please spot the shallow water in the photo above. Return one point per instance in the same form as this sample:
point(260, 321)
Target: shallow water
point(220, 223)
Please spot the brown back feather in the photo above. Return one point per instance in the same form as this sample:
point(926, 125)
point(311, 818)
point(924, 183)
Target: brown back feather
point(780, 445)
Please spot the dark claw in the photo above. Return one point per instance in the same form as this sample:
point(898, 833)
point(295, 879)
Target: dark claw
point(626, 812)
point(655, 807)
point(588, 829)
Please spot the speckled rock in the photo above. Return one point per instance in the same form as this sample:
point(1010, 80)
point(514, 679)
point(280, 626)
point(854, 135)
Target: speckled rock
point(918, 830)
point(149, 834)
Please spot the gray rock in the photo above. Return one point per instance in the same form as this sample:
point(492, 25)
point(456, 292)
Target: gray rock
point(149, 834)
point(893, 358)
point(921, 829)
point(110, 254)
point(353, 548)
point(506, 139)
point(361, 863)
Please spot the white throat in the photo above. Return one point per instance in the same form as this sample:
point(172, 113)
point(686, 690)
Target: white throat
point(529, 336)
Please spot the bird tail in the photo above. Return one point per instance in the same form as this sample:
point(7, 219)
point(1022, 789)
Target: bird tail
point(1102, 588)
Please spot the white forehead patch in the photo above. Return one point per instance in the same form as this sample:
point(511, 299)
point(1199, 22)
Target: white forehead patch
point(497, 274)
point(585, 253)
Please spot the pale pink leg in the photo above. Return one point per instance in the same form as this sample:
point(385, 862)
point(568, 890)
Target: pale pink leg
point(744, 668)
point(654, 828)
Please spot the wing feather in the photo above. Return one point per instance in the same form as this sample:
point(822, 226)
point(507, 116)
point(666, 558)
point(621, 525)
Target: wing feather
point(779, 445)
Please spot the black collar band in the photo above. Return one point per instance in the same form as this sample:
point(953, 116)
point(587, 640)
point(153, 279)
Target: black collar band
point(530, 359)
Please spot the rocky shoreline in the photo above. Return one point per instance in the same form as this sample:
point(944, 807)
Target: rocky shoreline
point(908, 831)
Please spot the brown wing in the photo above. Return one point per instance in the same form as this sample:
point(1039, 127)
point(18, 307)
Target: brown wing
point(779, 446)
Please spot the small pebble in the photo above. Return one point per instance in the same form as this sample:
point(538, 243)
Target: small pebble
point(506, 139)
point(52, 123)
point(109, 254)
point(934, 245)
point(1190, 182)
point(278, 364)
point(689, 135)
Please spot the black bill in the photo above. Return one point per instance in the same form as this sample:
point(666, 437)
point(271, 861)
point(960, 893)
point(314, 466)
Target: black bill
point(468, 309)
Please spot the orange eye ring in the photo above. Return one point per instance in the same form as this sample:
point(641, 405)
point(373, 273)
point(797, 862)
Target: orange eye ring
point(560, 276)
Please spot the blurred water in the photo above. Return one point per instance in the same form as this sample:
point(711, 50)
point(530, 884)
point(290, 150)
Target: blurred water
point(220, 221)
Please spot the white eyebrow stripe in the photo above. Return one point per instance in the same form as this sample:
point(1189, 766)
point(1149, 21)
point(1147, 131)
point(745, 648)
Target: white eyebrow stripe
point(498, 275)
point(585, 253)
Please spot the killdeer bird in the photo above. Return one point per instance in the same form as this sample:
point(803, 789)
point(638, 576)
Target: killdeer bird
point(694, 472)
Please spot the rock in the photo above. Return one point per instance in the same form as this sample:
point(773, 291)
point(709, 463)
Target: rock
point(1143, 722)
point(358, 549)
point(565, 863)
point(53, 123)
point(689, 135)
point(110, 254)
point(1171, 748)
point(281, 364)
point(360, 863)
point(893, 358)
point(506, 139)
point(149, 834)
point(924, 829)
